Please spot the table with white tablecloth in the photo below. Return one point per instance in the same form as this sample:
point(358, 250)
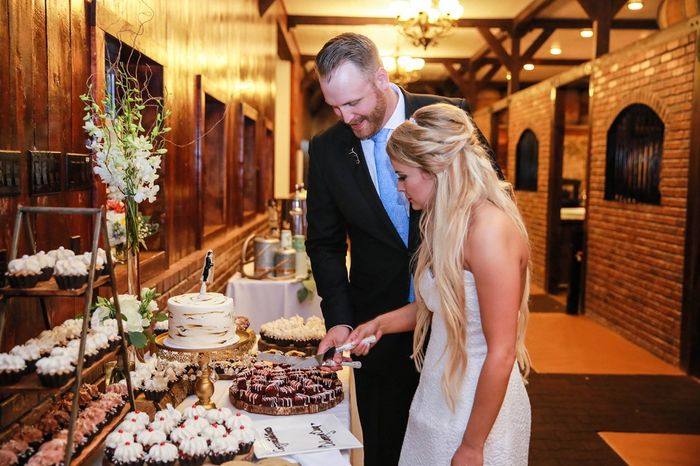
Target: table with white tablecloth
point(345, 411)
point(265, 300)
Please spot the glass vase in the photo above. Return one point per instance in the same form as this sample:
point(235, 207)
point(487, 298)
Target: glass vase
point(133, 272)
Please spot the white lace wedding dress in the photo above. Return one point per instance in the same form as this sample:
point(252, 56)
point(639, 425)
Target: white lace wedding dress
point(434, 432)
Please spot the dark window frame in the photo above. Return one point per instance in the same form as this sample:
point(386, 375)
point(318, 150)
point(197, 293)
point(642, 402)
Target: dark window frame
point(527, 153)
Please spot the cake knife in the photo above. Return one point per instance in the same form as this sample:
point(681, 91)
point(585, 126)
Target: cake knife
point(320, 359)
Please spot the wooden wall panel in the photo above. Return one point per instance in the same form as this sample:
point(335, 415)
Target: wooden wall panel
point(45, 60)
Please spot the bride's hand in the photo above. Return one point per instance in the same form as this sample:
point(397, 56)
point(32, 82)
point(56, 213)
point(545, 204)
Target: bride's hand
point(361, 332)
point(468, 456)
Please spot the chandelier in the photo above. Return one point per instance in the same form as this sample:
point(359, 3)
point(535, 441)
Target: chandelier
point(424, 21)
point(403, 69)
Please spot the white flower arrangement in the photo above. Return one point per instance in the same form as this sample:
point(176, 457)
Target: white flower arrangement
point(126, 155)
point(138, 315)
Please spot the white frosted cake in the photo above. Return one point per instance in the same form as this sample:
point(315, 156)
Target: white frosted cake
point(201, 323)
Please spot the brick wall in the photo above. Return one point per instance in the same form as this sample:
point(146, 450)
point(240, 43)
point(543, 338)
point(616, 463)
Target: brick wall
point(635, 251)
point(533, 109)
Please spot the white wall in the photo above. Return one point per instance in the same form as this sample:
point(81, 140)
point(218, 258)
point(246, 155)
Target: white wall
point(283, 100)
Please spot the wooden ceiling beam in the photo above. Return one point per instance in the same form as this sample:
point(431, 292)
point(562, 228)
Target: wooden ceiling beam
point(529, 13)
point(458, 61)
point(557, 61)
point(264, 5)
point(496, 47)
point(582, 23)
point(602, 14)
point(501, 23)
point(537, 43)
point(456, 78)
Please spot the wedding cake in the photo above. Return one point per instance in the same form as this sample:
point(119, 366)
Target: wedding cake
point(201, 321)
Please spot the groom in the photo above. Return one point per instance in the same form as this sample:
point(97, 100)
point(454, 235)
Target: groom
point(352, 194)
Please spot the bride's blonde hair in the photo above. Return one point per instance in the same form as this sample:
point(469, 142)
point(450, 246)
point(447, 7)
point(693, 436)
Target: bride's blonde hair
point(441, 140)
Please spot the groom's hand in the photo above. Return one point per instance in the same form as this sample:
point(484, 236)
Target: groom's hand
point(335, 337)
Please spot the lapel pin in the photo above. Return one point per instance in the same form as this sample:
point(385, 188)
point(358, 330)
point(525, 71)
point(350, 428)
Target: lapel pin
point(353, 156)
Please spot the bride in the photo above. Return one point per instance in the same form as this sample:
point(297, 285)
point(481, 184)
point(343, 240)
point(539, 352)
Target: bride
point(472, 277)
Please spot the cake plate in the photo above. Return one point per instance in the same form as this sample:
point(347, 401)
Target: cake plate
point(204, 386)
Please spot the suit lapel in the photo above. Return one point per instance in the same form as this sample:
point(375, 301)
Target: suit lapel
point(357, 164)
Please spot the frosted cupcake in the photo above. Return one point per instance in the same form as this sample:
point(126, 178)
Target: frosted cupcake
point(54, 371)
point(182, 432)
point(223, 449)
point(155, 388)
point(8, 458)
point(171, 413)
point(193, 451)
point(23, 272)
point(73, 328)
point(219, 415)
point(46, 263)
point(149, 437)
point(29, 352)
point(61, 253)
point(162, 454)
point(194, 410)
point(137, 416)
point(213, 431)
point(198, 423)
point(115, 438)
point(245, 437)
point(100, 260)
point(12, 368)
point(70, 274)
point(128, 454)
point(237, 420)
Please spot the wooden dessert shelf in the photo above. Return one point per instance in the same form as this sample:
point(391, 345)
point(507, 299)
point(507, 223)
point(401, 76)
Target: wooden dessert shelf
point(92, 450)
point(50, 289)
point(31, 382)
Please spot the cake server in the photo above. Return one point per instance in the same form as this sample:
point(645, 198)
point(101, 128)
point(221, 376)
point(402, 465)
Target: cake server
point(320, 359)
point(299, 362)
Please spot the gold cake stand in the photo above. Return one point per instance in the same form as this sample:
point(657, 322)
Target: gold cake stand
point(204, 386)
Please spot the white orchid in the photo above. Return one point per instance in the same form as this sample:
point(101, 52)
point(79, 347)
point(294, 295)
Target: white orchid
point(127, 156)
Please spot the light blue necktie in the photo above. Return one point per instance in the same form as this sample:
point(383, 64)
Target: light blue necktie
point(393, 201)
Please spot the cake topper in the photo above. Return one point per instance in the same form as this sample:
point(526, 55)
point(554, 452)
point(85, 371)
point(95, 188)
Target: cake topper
point(207, 273)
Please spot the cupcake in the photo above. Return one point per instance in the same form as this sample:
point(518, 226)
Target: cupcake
point(171, 413)
point(12, 368)
point(223, 449)
point(155, 389)
point(194, 410)
point(99, 260)
point(61, 253)
point(8, 458)
point(149, 437)
point(119, 388)
point(128, 453)
point(73, 328)
point(30, 434)
point(193, 451)
point(51, 453)
point(213, 431)
point(237, 420)
point(182, 432)
point(219, 415)
point(29, 352)
point(162, 454)
point(19, 448)
point(163, 424)
point(70, 274)
point(137, 416)
point(46, 263)
point(198, 424)
point(23, 272)
point(245, 438)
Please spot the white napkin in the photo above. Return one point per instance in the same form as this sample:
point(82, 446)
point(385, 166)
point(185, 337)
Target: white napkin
point(321, 458)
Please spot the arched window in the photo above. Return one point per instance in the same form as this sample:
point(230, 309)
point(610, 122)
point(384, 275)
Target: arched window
point(633, 158)
point(526, 161)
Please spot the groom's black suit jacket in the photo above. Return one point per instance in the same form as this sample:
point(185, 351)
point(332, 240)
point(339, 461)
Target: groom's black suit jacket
point(343, 202)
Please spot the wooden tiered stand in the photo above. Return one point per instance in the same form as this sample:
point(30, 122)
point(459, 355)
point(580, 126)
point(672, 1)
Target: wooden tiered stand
point(49, 289)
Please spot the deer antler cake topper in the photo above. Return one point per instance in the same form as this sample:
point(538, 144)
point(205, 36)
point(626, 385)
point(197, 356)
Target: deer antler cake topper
point(207, 273)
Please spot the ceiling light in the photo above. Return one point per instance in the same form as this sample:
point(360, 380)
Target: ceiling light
point(528, 67)
point(508, 76)
point(635, 5)
point(555, 49)
point(586, 33)
point(403, 69)
point(425, 21)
